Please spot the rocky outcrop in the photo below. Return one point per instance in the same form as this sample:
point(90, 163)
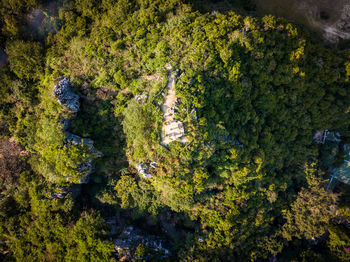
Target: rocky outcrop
point(141, 98)
point(61, 192)
point(77, 140)
point(66, 96)
point(87, 167)
point(143, 168)
point(131, 237)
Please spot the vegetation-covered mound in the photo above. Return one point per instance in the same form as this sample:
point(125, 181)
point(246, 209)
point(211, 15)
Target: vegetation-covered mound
point(245, 184)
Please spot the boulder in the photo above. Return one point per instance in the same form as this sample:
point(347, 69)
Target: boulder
point(143, 168)
point(141, 98)
point(66, 124)
point(66, 96)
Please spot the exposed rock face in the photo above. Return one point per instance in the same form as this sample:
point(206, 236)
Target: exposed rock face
point(66, 96)
point(77, 140)
point(131, 237)
point(141, 98)
point(143, 168)
point(61, 192)
point(330, 18)
point(318, 137)
point(87, 167)
point(66, 124)
point(341, 28)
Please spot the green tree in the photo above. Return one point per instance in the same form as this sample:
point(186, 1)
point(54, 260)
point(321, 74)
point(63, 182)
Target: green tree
point(25, 58)
point(339, 242)
point(312, 210)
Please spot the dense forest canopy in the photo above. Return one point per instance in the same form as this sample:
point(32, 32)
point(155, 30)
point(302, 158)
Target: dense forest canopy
point(83, 87)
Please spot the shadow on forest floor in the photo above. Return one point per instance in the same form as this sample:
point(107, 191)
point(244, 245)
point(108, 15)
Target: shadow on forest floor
point(96, 120)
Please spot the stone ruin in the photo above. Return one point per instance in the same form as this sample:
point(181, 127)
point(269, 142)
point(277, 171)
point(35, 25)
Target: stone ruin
point(66, 96)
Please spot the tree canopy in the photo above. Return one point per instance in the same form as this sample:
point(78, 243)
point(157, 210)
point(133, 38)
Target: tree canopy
point(249, 182)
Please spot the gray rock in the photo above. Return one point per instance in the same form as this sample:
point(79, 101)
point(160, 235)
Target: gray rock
point(66, 96)
point(153, 164)
point(194, 114)
point(143, 168)
point(141, 98)
point(131, 237)
point(321, 137)
point(61, 192)
point(88, 167)
point(66, 124)
point(340, 29)
point(77, 140)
